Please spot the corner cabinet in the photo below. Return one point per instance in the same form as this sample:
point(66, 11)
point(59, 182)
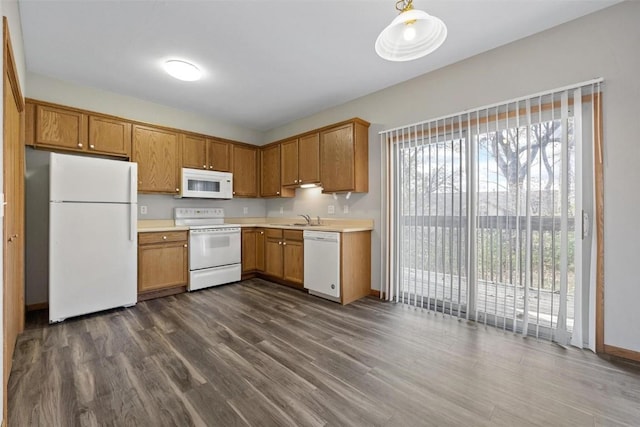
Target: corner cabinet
point(344, 157)
point(162, 263)
point(300, 160)
point(157, 152)
point(270, 183)
point(252, 250)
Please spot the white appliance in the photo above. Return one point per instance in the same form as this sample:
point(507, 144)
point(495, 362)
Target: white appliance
point(204, 184)
point(322, 264)
point(93, 215)
point(214, 247)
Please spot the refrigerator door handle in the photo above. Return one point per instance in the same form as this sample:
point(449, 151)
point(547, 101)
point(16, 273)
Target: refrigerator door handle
point(133, 214)
point(133, 183)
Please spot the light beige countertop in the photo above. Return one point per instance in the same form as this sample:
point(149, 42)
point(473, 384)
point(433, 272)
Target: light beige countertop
point(341, 225)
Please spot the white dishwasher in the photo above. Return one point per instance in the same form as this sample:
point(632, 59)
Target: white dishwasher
point(322, 264)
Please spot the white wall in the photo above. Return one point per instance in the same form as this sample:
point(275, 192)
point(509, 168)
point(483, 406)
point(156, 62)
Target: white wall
point(53, 90)
point(604, 44)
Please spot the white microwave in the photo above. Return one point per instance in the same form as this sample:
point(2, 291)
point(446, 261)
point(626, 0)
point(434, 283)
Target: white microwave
point(204, 184)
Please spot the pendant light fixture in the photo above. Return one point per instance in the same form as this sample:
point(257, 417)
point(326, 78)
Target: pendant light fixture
point(411, 35)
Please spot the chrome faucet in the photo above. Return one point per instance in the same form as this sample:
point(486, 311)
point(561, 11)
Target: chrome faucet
point(307, 218)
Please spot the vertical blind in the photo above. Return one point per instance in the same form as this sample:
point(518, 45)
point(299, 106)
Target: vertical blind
point(488, 214)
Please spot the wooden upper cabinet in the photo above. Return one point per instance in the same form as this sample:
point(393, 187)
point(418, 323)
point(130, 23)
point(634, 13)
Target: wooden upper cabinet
point(219, 155)
point(300, 160)
point(309, 159)
point(245, 174)
point(109, 136)
point(194, 152)
point(270, 169)
point(60, 128)
point(56, 127)
point(344, 158)
point(289, 162)
point(157, 153)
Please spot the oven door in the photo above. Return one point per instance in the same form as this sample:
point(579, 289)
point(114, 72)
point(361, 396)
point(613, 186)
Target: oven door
point(214, 247)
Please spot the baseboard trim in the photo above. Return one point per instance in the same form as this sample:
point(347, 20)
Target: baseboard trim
point(622, 352)
point(375, 293)
point(37, 306)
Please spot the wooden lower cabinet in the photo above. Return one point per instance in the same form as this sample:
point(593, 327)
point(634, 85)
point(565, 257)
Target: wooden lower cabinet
point(162, 263)
point(273, 259)
point(293, 257)
point(252, 250)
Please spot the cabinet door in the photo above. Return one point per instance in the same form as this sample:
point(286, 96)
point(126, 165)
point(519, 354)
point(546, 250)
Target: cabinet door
point(245, 177)
point(270, 169)
point(289, 162)
point(273, 257)
point(162, 266)
point(293, 263)
point(194, 152)
point(60, 128)
point(260, 240)
point(309, 159)
point(156, 152)
point(109, 136)
point(248, 249)
point(219, 157)
point(337, 159)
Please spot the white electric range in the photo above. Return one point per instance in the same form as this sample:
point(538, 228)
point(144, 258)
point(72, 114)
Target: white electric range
point(214, 247)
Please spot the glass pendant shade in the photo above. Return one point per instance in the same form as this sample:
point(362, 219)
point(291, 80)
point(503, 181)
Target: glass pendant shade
point(411, 35)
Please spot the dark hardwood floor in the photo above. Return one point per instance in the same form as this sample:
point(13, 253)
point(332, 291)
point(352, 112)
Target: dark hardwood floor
point(257, 353)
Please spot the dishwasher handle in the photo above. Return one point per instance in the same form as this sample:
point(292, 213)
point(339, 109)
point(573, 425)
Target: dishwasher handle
point(321, 236)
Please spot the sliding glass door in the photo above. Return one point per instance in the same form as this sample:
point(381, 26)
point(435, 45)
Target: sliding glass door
point(486, 214)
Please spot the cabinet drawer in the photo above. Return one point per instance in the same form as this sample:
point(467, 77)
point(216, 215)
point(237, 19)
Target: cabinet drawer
point(274, 233)
point(162, 237)
point(293, 235)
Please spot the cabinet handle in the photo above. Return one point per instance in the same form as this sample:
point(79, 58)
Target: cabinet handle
point(279, 243)
point(295, 181)
point(80, 144)
point(211, 167)
point(164, 237)
point(278, 193)
point(177, 190)
point(234, 192)
point(185, 245)
point(92, 146)
point(262, 232)
point(284, 243)
point(204, 166)
point(13, 238)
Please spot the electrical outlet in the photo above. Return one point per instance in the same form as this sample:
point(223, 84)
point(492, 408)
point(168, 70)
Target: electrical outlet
point(332, 209)
point(345, 209)
point(143, 210)
point(245, 210)
point(281, 210)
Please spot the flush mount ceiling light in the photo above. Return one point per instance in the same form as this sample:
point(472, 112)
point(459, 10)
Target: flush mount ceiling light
point(411, 35)
point(182, 70)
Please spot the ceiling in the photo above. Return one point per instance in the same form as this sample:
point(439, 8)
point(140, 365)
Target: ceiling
point(265, 62)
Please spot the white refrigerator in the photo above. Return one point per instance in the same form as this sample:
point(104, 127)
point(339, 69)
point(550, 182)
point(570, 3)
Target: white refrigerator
point(92, 235)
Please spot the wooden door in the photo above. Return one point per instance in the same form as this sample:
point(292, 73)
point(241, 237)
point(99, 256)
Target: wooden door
point(194, 152)
point(109, 136)
point(309, 159)
point(248, 249)
point(270, 170)
point(289, 162)
point(13, 225)
point(245, 176)
point(156, 151)
point(337, 159)
point(219, 156)
point(60, 128)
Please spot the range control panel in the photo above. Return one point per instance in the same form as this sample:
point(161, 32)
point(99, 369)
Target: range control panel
point(198, 213)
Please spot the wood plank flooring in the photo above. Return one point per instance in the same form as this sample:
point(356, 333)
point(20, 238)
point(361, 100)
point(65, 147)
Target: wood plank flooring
point(261, 354)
